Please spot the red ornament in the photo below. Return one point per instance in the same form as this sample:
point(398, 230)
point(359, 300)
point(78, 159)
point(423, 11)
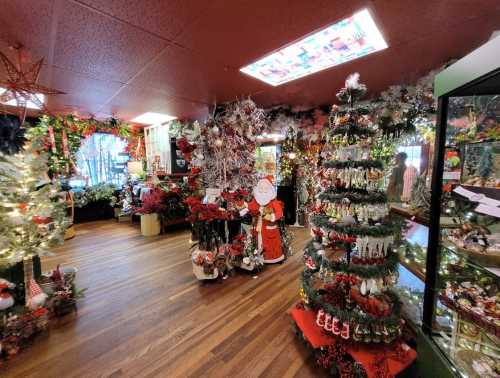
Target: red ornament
point(41, 220)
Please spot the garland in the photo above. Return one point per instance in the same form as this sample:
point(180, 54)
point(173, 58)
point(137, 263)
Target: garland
point(355, 315)
point(354, 195)
point(387, 268)
point(61, 137)
point(392, 129)
point(378, 230)
point(366, 164)
point(352, 130)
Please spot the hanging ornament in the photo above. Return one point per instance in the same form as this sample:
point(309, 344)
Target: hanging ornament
point(21, 86)
point(344, 333)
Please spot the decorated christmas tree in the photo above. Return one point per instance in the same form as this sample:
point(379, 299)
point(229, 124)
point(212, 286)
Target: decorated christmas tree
point(350, 263)
point(32, 211)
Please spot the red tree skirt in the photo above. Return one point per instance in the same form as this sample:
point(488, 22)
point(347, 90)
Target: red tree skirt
point(370, 356)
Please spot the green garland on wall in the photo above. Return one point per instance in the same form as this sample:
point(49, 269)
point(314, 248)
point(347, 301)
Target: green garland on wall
point(61, 137)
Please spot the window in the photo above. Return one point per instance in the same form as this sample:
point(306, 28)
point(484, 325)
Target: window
point(414, 155)
point(101, 158)
point(266, 160)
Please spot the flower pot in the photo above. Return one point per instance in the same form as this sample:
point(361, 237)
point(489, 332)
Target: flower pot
point(150, 225)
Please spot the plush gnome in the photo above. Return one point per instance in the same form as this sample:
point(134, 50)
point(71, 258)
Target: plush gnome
point(266, 210)
point(36, 296)
point(6, 299)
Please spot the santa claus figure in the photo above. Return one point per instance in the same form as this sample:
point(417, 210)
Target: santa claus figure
point(266, 211)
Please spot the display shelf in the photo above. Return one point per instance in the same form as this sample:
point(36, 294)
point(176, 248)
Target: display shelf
point(479, 260)
point(409, 214)
point(487, 323)
point(417, 217)
point(414, 268)
point(396, 356)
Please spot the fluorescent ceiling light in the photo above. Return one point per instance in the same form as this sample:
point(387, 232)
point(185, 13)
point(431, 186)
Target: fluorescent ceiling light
point(151, 118)
point(29, 104)
point(346, 40)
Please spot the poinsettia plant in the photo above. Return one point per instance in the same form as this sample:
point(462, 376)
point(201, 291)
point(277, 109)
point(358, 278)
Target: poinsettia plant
point(205, 221)
point(152, 202)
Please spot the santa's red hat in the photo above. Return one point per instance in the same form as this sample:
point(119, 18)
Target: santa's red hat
point(270, 178)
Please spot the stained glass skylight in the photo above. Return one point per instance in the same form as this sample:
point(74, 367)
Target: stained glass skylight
point(346, 40)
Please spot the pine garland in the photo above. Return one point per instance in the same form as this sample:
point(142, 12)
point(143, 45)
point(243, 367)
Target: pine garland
point(354, 316)
point(366, 164)
point(389, 266)
point(352, 130)
point(354, 195)
point(377, 230)
point(390, 128)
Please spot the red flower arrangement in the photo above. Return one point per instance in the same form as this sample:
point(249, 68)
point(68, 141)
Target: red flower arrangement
point(237, 246)
point(153, 202)
point(203, 213)
point(185, 147)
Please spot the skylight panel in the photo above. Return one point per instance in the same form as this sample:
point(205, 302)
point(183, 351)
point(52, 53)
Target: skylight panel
point(150, 118)
point(29, 103)
point(346, 40)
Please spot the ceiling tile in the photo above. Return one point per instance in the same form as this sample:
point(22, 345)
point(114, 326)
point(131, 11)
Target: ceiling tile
point(81, 92)
point(134, 100)
point(27, 23)
point(166, 18)
point(182, 73)
point(97, 48)
point(96, 45)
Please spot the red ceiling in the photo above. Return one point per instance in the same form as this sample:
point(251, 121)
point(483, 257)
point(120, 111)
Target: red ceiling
point(126, 57)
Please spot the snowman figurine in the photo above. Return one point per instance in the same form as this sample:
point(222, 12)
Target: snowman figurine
point(6, 298)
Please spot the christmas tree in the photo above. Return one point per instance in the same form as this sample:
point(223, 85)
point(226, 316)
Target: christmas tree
point(32, 210)
point(350, 263)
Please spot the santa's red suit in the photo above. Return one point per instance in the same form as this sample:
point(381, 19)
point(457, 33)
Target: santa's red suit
point(266, 210)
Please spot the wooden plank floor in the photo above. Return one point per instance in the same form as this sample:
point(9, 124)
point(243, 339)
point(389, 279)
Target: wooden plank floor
point(145, 314)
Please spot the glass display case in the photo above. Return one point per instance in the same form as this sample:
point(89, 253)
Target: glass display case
point(461, 312)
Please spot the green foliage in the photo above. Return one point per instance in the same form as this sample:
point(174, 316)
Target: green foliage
point(32, 210)
point(485, 164)
point(99, 192)
point(354, 315)
point(333, 194)
point(377, 230)
point(389, 266)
